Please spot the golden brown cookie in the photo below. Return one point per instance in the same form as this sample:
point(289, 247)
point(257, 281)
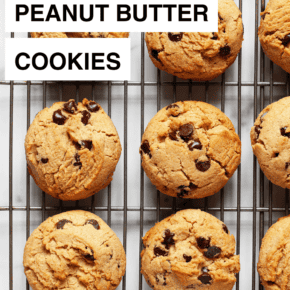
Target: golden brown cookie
point(79, 34)
point(273, 265)
point(72, 149)
point(270, 142)
point(190, 250)
point(274, 32)
point(74, 250)
point(199, 56)
point(190, 149)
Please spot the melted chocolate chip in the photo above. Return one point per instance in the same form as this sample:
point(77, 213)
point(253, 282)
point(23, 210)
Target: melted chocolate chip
point(212, 252)
point(205, 278)
point(93, 106)
point(172, 136)
point(258, 131)
point(214, 36)
point(187, 258)
point(283, 132)
point(185, 132)
point(286, 40)
point(94, 223)
point(220, 18)
point(175, 37)
point(192, 186)
point(78, 162)
point(168, 239)
point(182, 193)
point(225, 51)
point(270, 283)
point(172, 106)
point(225, 228)
point(70, 106)
point(44, 160)
point(194, 145)
point(86, 116)
point(58, 118)
point(159, 252)
point(202, 165)
point(145, 147)
point(287, 164)
point(203, 243)
point(155, 53)
point(60, 224)
point(90, 257)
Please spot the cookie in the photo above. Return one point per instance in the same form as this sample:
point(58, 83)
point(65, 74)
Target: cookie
point(273, 265)
point(274, 32)
point(74, 250)
point(72, 149)
point(199, 56)
point(270, 142)
point(190, 149)
point(79, 34)
point(189, 250)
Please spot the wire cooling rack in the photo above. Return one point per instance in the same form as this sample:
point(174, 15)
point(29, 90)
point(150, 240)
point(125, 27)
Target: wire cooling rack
point(248, 204)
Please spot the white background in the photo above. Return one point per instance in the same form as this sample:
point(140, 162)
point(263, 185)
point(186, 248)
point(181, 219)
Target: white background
point(72, 45)
point(110, 23)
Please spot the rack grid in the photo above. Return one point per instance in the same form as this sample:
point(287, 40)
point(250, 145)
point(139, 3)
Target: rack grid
point(262, 208)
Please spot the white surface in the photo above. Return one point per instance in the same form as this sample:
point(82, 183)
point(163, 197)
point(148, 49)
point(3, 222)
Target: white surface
point(134, 136)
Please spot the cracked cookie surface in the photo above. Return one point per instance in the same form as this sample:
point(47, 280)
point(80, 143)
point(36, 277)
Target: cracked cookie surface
point(72, 149)
point(79, 34)
point(74, 250)
point(274, 32)
point(273, 265)
point(270, 142)
point(190, 149)
point(199, 56)
point(189, 250)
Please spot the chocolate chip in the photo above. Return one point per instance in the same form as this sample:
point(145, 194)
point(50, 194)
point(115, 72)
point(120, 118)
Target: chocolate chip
point(60, 224)
point(145, 147)
point(58, 118)
point(276, 154)
point(283, 132)
point(203, 243)
point(94, 223)
point(155, 53)
point(205, 278)
point(194, 145)
point(175, 37)
point(270, 283)
point(172, 106)
point(220, 18)
point(168, 239)
point(172, 136)
point(77, 145)
point(93, 106)
point(70, 106)
point(78, 162)
point(44, 160)
point(287, 164)
point(87, 144)
point(225, 51)
point(286, 40)
point(187, 258)
point(185, 132)
point(182, 193)
point(192, 186)
point(86, 116)
point(202, 165)
point(90, 257)
point(225, 228)
point(159, 252)
point(258, 131)
point(212, 252)
point(214, 36)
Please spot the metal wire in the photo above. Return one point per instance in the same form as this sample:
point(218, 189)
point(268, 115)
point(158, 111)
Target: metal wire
point(261, 190)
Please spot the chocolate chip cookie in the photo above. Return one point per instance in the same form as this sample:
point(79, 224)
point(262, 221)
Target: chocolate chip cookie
point(199, 56)
point(270, 142)
point(190, 149)
point(190, 250)
point(274, 32)
point(74, 250)
point(79, 34)
point(72, 149)
point(273, 265)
